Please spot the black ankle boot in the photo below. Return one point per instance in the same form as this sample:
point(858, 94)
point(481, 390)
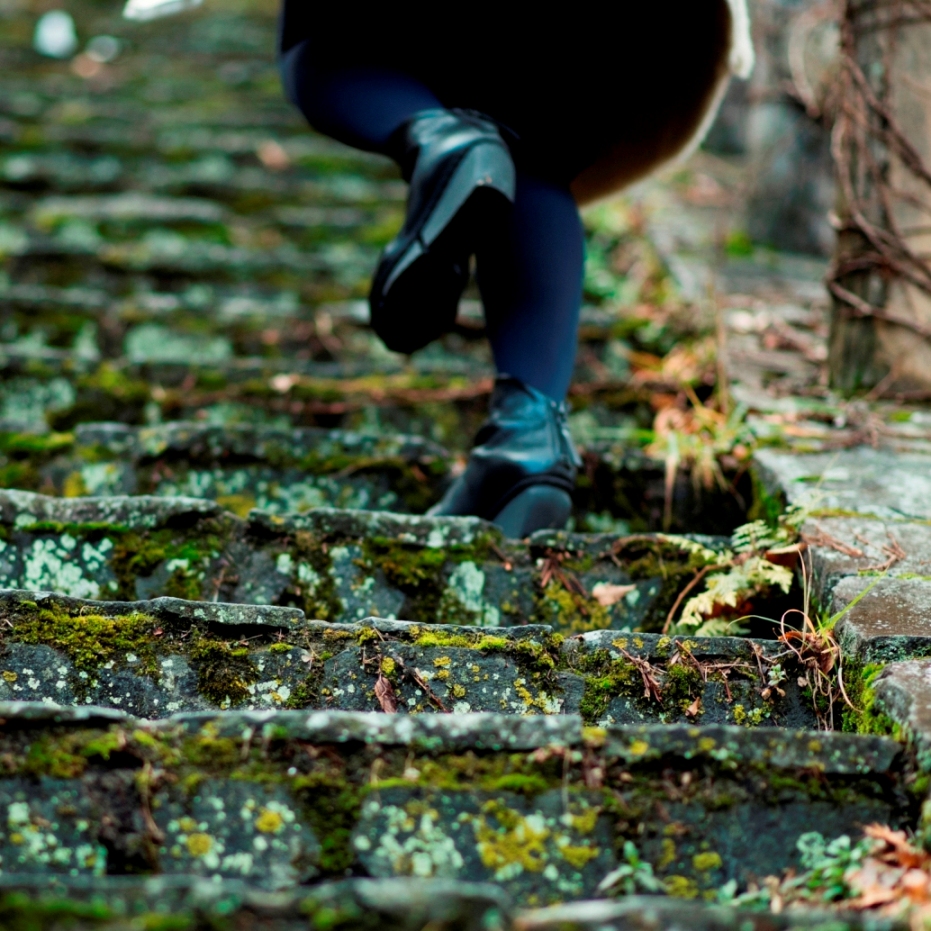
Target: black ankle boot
point(521, 471)
point(461, 177)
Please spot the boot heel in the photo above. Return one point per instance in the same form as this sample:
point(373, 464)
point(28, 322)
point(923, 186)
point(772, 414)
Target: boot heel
point(484, 166)
point(539, 507)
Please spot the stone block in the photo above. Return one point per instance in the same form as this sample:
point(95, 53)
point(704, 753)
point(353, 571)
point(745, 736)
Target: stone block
point(537, 804)
point(891, 621)
point(340, 565)
point(236, 830)
point(659, 913)
point(111, 903)
point(903, 691)
point(859, 546)
point(545, 849)
point(880, 483)
point(706, 680)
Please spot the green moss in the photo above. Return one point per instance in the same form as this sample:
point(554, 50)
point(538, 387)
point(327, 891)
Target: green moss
point(137, 553)
point(765, 506)
point(864, 717)
point(320, 599)
point(107, 393)
point(617, 677)
point(405, 566)
point(420, 573)
point(416, 484)
point(22, 911)
point(682, 684)
point(224, 672)
point(332, 807)
point(569, 612)
point(92, 640)
point(662, 558)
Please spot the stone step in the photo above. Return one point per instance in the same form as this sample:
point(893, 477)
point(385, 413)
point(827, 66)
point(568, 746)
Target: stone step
point(403, 904)
point(215, 321)
point(239, 467)
point(167, 655)
point(537, 805)
point(344, 565)
point(292, 470)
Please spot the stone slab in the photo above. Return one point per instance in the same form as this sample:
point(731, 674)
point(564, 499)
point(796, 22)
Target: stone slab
point(155, 658)
point(376, 904)
point(706, 680)
point(658, 913)
point(891, 621)
point(243, 467)
point(873, 482)
point(860, 546)
point(338, 565)
point(903, 691)
point(113, 903)
point(536, 804)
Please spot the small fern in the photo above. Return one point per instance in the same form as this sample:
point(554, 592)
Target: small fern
point(733, 588)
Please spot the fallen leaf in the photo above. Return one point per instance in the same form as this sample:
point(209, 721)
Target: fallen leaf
point(903, 853)
point(384, 692)
point(273, 156)
point(607, 594)
point(693, 709)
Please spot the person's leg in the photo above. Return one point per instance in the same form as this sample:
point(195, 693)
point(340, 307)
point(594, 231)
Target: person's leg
point(362, 106)
point(530, 276)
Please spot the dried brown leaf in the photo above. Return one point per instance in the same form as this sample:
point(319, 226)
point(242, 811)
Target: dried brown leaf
point(384, 692)
point(607, 594)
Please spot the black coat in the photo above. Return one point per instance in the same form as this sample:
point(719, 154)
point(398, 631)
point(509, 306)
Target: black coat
point(601, 108)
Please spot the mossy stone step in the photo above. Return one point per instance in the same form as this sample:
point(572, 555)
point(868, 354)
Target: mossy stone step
point(118, 903)
point(343, 565)
point(42, 387)
point(239, 467)
point(535, 804)
point(166, 655)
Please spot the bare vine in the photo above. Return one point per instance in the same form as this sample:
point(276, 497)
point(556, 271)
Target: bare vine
point(865, 126)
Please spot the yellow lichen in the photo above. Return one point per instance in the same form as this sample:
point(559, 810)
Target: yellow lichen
point(442, 661)
point(518, 844)
point(188, 825)
point(269, 822)
point(706, 744)
point(388, 665)
point(585, 822)
point(578, 856)
point(681, 887)
point(199, 845)
point(668, 854)
point(10, 676)
point(639, 748)
point(704, 862)
point(459, 691)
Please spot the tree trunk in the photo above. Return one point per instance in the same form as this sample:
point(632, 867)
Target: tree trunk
point(881, 280)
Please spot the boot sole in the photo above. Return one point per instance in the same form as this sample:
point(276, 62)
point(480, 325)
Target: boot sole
point(415, 293)
point(540, 507)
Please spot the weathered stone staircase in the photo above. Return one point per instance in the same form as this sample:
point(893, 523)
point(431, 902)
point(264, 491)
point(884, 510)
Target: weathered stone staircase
point(243, 684)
